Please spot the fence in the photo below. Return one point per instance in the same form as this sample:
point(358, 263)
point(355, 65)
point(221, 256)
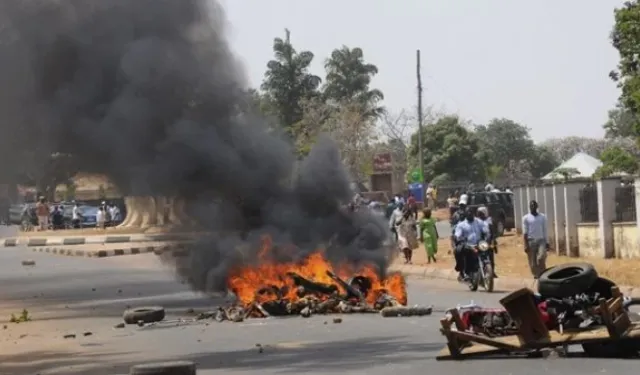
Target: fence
point(625, 199)
point(589, 204)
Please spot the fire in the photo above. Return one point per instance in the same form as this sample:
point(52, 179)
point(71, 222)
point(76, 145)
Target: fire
point(269, 281)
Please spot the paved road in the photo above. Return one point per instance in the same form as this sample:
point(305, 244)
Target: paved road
point(77, 294)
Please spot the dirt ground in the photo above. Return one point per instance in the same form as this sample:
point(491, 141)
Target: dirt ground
point(511, 261)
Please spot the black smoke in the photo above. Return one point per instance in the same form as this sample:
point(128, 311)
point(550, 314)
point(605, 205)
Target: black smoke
point(149, 93)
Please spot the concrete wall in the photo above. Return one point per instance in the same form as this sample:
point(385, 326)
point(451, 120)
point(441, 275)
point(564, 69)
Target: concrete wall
point(567, 236)
point(589, 239)
point(625, 238)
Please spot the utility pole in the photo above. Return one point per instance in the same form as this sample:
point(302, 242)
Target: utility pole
point(420, 156)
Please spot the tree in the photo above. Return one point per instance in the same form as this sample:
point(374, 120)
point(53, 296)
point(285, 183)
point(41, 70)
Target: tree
point(565, 148)
point(509, 146)
point(287, 81)
point(543, 160)
point(625, 37)
point(506, 139)
point(620, 123)
point(617, 160)
point(348, 78)
point(450, 148)
point(351, 129)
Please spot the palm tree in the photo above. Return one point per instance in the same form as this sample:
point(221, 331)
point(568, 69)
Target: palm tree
point(348, 78)
point(288, 81)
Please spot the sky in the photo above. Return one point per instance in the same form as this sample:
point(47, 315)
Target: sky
point(542, 63)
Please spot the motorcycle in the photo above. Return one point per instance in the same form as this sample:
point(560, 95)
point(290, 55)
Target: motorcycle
point(480, 271)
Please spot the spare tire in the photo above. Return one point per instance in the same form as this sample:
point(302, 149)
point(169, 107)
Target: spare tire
point(149, 314)
point(566, 280)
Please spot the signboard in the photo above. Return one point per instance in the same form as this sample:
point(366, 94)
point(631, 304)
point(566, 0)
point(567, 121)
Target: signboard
point(382, 163)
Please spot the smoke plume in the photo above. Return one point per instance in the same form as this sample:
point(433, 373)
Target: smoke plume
point(148, 93)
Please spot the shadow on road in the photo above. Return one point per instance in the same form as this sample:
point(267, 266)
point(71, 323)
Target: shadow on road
point(330, 357)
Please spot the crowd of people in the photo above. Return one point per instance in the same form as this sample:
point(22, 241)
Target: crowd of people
point(46, 216)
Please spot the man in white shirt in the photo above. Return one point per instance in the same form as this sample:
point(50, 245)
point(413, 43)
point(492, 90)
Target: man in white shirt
point(534, 229)
point(100, 218)
point(76, 215)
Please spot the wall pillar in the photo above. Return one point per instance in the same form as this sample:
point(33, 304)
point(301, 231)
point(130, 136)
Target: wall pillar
point(559, 223)
point(547, 208)
point(607, 214)
point(517, 209)
point(572, 217)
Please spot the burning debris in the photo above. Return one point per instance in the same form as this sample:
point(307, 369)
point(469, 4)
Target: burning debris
point(312, 287)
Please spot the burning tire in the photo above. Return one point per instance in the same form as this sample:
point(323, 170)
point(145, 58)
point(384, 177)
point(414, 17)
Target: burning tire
point(150, 314)
point(566, 280)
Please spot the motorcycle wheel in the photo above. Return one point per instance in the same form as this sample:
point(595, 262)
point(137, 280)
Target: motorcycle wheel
point(488, 278)
point(475, 281)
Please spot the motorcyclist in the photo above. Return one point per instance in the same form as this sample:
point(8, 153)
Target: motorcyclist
point(483, 215)
point(468, 234)
point(457, 217)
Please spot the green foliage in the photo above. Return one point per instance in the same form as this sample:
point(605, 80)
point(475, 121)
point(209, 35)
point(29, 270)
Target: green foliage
point(449, 147)
point(542, 161)
point(620, 123)
point(506, 141)
point(288, 82)
point(617, 160)
point(625, 37)
point(348, 78)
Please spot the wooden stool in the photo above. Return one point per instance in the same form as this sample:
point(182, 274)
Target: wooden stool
point(523, 310)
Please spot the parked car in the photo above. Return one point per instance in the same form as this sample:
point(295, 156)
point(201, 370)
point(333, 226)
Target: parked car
point(89, 214)
point(500, 206)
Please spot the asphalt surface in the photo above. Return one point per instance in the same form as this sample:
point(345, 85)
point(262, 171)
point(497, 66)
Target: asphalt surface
point(76, 295)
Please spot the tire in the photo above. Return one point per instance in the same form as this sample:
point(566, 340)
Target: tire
point(567, 280)
point(149, 314)
point(165, 368)
point(475, 281)
point(488, 278)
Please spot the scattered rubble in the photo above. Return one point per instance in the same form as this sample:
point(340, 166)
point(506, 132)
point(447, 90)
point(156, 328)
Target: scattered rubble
point(28, 262)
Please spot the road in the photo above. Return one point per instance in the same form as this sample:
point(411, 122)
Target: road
point(76, 295)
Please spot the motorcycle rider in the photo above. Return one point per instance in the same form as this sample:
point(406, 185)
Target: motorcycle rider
point(483, 215)
point(468, 233)
point(457, 217)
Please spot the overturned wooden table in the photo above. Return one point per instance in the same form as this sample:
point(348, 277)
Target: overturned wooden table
point(532, 332)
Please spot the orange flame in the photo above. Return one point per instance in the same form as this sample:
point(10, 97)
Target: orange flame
point(252, 283)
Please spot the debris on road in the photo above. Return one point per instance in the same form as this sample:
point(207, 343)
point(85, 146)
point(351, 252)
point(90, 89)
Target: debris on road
point(312, 287)
point(147, 314)
point(69, 336)
point(164, 368)
point(119, 325)
point(405, 311)
point(21, 318)
point(28, 262)
point(574, 307)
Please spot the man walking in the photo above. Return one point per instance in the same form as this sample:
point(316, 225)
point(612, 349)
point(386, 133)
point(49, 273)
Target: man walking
point(534, 229)
point(43, 212)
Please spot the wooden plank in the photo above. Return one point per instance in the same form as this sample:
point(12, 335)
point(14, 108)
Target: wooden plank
point(485, 340)
point(469, 351)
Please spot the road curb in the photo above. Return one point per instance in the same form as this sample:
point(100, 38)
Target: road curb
point(98, 253)
point(91, 240)
point(176, 250)
point(502, 283)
